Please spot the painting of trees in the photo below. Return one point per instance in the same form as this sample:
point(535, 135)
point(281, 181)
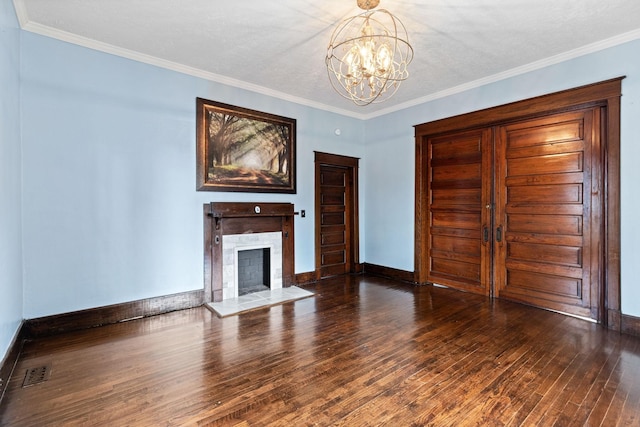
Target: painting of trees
point(244, 150)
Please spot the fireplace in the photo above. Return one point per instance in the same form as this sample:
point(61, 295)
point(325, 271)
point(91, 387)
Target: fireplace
point(254, 270)
point(234, 228)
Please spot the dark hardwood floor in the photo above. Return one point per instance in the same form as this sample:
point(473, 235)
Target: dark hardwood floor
point(364, 351)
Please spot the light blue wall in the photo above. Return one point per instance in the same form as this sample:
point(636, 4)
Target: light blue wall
point(10, 207)
point(390, 156)
point(110, 210)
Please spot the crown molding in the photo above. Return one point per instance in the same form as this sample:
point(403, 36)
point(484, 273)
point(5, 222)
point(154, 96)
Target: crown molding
point(21, 12)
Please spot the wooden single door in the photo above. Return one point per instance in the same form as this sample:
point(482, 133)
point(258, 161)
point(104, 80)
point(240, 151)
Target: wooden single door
point(336, 215)
point(548, 225)
point(459, 190)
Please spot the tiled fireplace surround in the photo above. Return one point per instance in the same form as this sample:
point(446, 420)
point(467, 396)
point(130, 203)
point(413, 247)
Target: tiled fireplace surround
point(230, 227)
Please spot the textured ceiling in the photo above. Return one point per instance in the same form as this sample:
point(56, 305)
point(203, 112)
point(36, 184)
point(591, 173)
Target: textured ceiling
point(278, 47)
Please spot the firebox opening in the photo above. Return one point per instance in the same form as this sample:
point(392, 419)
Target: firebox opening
point(254, 270)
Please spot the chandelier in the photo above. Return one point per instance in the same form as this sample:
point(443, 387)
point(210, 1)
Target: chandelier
point(368, 55)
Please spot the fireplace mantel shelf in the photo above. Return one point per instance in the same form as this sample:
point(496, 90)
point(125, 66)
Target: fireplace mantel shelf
point(243, 210)
point(220, 215)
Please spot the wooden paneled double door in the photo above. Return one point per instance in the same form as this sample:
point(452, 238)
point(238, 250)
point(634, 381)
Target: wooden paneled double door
point(515, 210)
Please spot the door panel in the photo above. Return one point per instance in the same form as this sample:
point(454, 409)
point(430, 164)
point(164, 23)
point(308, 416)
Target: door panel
point(334, 243)
point(543, 204)
point(458, 250)
point(336, 215)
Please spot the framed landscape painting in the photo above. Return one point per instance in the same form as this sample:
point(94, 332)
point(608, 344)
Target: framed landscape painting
point(238, 149)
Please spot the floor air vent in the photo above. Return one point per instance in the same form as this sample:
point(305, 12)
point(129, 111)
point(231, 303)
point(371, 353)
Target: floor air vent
point(36, 375)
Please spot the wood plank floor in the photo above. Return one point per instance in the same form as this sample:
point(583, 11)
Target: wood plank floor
point(363, 352)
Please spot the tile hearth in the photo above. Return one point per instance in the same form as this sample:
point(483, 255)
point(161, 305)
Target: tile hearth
point(256, 300)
